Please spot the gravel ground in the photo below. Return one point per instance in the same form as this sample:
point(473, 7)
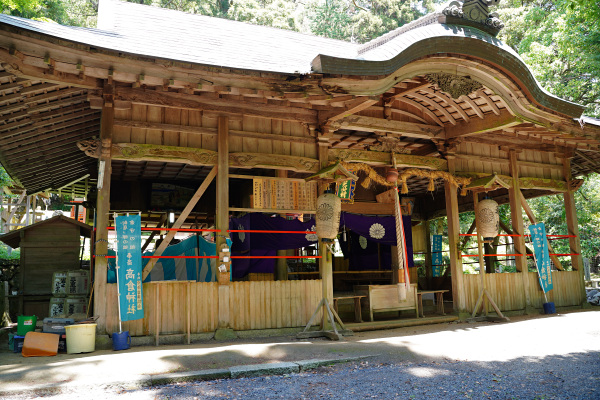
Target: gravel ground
point(532, 357)
point(556, 377)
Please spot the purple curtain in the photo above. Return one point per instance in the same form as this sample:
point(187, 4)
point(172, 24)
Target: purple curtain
point(379, 229)
point(373, 228)
point(265, 244)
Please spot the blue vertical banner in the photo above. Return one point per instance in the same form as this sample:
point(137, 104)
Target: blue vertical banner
point(542, 256)
point(436, 255)
point(129, 266)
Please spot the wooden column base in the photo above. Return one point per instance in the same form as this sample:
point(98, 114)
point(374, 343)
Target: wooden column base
point(330, 314)
point(484, 293)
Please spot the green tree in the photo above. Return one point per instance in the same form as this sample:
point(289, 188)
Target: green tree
point(560, 41)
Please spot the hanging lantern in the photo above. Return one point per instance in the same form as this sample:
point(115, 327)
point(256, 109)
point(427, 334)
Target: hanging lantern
point(488, 219)
point(391, 175)
point(329, 208)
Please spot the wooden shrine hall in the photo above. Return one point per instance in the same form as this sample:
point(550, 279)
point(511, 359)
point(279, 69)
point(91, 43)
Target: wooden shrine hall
point(165, 111)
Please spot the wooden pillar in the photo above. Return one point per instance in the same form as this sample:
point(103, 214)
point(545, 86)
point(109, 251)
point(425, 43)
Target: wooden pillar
point(573, 228)
point(102, 212)
point(428, 257)
point(281, 268)
point(458, 295)
point(326, 260)
point(516, 220)
point(222, 217)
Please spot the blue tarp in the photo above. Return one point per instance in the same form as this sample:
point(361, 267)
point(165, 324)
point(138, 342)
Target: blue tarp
point(168, 269)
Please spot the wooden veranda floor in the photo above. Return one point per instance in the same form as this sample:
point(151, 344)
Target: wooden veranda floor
point(399, 323)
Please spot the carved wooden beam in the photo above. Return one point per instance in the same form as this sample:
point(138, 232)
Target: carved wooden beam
point(352, 107)
point(193, 102)
point(209, 131)
point(410, 161)
point(383, 158)
point(479, 126)
point(195, 156)
point(370, 124)
point(527, 182)
point(12, 62)
point(512, 142)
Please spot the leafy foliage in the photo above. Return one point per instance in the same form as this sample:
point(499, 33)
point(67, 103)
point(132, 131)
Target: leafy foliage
point(560, 41)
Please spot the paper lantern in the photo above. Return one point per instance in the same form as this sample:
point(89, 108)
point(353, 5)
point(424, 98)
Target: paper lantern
point(488, 219)
point(329, 208)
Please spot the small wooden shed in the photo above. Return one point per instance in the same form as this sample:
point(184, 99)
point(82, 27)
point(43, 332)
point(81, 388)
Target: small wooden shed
point(47, 247)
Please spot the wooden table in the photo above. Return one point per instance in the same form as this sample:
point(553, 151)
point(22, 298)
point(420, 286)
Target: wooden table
point(439, 299)
point(357, 311)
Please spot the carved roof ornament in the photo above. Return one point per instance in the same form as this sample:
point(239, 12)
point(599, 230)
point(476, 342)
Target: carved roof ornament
point(389, 144)
point(454, 85)
point(474, 11)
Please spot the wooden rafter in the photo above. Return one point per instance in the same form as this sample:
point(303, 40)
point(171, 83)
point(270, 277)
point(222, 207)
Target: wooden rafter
point(481, 93)
point(442, 96)
point(478, 126)
point(435, 105)
point(424, 109)
point(473, 105)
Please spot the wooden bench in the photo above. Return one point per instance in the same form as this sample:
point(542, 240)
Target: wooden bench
point(381, 298)
point(357, 305)
point(439, 300)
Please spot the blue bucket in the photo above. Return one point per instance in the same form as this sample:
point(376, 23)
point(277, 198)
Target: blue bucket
point(121, 340)
point(549, 308)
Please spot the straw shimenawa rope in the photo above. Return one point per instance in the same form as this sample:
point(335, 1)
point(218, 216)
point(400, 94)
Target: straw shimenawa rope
point(374, 177)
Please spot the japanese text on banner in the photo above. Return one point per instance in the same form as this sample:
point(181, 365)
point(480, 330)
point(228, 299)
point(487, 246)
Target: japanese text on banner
point(129, 267)
point(436, 255)
point(542, 256)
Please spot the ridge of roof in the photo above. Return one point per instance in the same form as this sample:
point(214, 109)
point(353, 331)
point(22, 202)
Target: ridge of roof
point(425, 20)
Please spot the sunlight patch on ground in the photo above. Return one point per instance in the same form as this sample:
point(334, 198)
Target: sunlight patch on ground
point(421, 372)
point(532, 338)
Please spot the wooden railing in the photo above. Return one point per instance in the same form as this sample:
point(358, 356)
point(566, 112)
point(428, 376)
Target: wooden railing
point(175, 305)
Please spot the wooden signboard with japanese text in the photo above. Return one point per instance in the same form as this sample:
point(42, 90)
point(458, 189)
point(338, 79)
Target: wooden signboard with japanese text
point(280, 194)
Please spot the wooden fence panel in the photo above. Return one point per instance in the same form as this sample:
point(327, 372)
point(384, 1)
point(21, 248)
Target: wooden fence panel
point(567, 291)
point(273, 304)
point(172, 303)
point(508, 291)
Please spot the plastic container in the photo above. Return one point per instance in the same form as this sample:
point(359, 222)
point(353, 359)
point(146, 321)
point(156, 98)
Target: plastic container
point(38, 344)
point(549, 308)
point(81, 338)
point(18, 343)
point(56, 325)
point(78, 282)
point(25, 324)
point(121, 340)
